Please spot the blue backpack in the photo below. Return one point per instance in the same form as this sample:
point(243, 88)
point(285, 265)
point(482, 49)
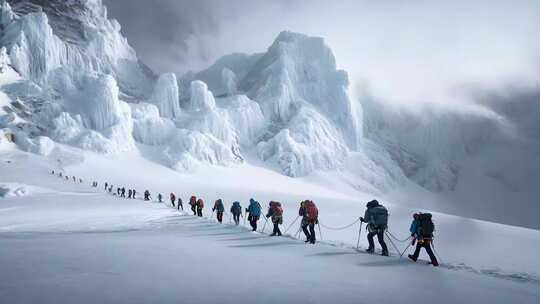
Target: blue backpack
point(236, 208)
point(254, 208)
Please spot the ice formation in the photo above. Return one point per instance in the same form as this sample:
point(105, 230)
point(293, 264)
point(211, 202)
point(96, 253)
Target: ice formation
point(201, 98)
point(148, 127)
point(166, 96)
point(84, 86)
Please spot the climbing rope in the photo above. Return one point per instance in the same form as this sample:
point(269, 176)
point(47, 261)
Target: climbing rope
point(396, 239)
point(392, 242)
point(339, 228)
point(296, 219)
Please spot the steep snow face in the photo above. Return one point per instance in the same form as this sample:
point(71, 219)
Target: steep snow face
point(430, 144)
point(166, 96)
point(299, 70)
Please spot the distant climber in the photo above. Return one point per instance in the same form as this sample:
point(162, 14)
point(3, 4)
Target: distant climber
point(134, 192)
point(180, 204)
point(146, 195)
point(173, 199)
point(110, 188)
point(236, 210)
point(422, 229)
point(219, 209)
point(160, 198)
point(123, 192)
point(276, 212)
point(254, 210)
point(106, 184)
point(193, 204)
point(310, 217)
point(200, 207)
point(130, 193)
point(376, 217)
point(118, 190)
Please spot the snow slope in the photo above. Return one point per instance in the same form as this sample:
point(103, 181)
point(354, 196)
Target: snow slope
point(85, 246)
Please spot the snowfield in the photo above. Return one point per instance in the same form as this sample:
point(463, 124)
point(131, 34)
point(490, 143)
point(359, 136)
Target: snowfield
point(77, 244)
point(279, 125)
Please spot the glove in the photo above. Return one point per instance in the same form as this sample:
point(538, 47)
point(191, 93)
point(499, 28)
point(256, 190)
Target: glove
point(362, 220)
point(413, 241)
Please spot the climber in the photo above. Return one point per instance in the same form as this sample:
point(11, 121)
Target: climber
point(236, 211)
point(254, 210)
point(146, 195)
point(160, 198)
point(74, 179)
point(310, 217)
point(193, 204)
point(106, 184)
point(276, 212)
point(134, 194)
point(118, 190)
point(123, 192)
point(200, 206)
point(376, 217)
point(180, 204)
point(130, 193)
point(422, 229)
point(110, 188)
point(173, 199)
point(219, 208)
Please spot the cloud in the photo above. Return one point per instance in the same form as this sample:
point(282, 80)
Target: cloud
point(404, 51)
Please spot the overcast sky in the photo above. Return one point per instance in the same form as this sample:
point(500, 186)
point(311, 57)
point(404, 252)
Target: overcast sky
point(401, 50)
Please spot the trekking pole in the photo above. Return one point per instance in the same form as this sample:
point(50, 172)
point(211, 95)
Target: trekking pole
point(265, 222)
point(291, 224)
point(359, 233)
point(320, 232)
point(297, 234)
point(392, 242)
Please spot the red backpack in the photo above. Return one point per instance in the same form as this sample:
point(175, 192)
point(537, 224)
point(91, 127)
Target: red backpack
point(311, 210)
point(193, 201)
point(276, 206)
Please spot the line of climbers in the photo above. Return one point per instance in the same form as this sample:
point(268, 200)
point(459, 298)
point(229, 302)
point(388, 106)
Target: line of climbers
point(376, 217)
point(75, 179)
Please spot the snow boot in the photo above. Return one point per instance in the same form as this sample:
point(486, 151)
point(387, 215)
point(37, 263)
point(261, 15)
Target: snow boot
point(412, 257)
point(370, 250)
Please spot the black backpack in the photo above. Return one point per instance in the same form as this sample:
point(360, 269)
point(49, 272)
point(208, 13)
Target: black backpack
point(425, 225)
